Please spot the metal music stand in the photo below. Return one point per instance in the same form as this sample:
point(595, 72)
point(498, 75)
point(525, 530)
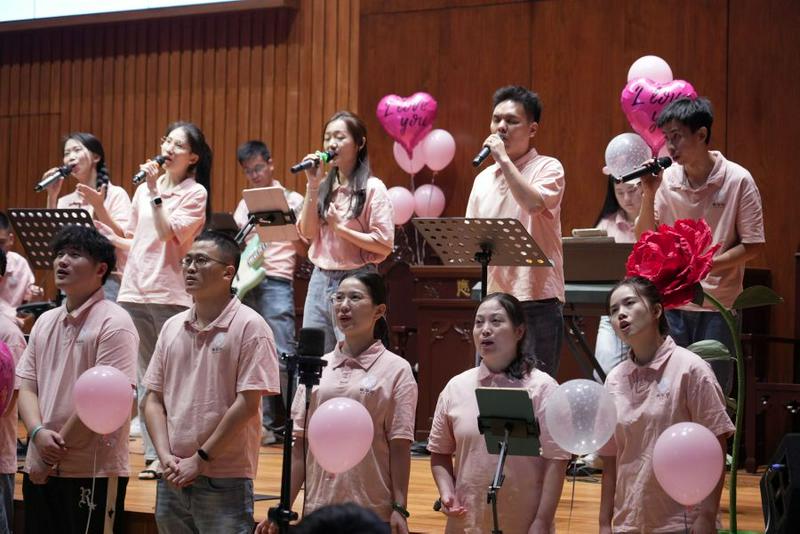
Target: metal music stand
point(506, 420)
point(501, 242)
point(36, 228)
point(269, 214)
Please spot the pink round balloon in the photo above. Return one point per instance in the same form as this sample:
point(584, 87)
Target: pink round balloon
point(402, 203)
point(411, 165)
point(7, 368)
point(340, 434)
point(651, 67)
point(428, 201)
point(407, 119)
point(103, 398)
point(642, 100)
point(687, 462)
point(439, 148)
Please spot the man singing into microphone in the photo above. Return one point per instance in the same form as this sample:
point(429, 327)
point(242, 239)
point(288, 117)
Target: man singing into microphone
point(702, 184)
point(524, 185)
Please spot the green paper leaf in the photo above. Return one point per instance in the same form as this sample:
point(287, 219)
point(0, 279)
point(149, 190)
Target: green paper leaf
point(711, 350)
point(755, 296)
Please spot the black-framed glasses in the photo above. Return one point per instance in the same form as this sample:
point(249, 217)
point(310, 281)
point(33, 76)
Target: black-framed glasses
point(200, 261)
point(255, 171)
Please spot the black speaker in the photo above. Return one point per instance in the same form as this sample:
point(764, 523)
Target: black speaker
point(780, 488)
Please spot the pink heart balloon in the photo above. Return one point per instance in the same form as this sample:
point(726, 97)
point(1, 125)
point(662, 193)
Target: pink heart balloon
point(407, 119)
point(642, 100)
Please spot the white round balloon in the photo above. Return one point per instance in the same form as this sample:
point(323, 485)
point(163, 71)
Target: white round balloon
point(580, 416)
point(625, 153)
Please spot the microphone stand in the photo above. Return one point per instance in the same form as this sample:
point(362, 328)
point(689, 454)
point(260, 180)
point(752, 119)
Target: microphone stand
point(310, 371)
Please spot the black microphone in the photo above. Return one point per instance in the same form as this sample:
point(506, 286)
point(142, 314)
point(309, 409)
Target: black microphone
point(61, 172)
point(310, 348)
point(651, 167)
point(482, 155)
point(140, 176)
point(308, 163)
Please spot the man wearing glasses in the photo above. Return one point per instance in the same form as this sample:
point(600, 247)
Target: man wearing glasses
point(273, 298)
point(211, 365)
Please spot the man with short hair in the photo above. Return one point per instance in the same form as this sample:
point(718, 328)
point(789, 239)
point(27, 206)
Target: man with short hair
point(527, 186)
point(211, 365)
point(71, 473)
point(273, 298)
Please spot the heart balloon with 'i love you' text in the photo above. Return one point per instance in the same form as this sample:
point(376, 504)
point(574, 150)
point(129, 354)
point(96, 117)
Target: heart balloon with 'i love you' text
point(407, 119)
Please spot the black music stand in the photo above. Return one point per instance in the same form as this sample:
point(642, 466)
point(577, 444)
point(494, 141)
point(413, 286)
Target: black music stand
point(506, 420)
point(269, 214)
point(501, 242)
point(36, 227)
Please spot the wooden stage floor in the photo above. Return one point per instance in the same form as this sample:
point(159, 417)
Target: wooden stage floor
point(140, 500)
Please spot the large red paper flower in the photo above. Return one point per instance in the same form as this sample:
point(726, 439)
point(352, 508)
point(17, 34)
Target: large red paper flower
point(675, 259)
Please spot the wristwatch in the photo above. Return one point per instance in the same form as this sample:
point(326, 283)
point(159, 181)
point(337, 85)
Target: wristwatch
point(156, 202)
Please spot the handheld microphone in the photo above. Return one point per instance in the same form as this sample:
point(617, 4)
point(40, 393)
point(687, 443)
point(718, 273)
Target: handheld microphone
point(482, 155)
point(308, 163)
point(651, 167)
point(61, 172)
point(310, 348)
point(140, 176)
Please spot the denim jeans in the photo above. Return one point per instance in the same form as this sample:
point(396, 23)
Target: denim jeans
point(111, 288)
point(209, 506)
point(687, 327)
point(318, 310)
point(7, 498)
point(609, 350)
point(273, 298)
point(544, 324)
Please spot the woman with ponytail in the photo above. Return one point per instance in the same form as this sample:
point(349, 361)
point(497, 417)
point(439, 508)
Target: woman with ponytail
point(361, 368)
point(169, 211)
point(109, 204)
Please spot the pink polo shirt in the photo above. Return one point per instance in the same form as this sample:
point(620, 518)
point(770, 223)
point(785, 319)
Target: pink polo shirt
point(676, 386)
point(455, 431)
point(730, 203)
point(11, 335)
point(331, 252)
point(491, 198)
point(618, 227)
point(382, 381)
point(118, 206)
point(16, 284)
point(199, 372)
point(62, 346)
point(279, 256)
point(153, 274)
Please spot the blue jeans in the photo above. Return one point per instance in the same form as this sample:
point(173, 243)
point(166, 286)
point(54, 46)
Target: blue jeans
point(544, 325)
point(273, 298)
point(209, 506)
point(318, 310)
point(111, 288)
point(687, 327)
point(7, 498)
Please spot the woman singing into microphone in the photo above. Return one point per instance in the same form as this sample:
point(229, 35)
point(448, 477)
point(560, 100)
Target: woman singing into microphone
point(108, 204)
point(347, 217)
point(169, 210)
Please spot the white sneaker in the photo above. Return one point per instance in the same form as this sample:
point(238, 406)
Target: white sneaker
point(136, 427)
point(267, 436)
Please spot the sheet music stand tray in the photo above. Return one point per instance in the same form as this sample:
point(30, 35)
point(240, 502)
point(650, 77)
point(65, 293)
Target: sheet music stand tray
point(501, 242)
point(36, 227)
point(506, 420)
point(269, 214)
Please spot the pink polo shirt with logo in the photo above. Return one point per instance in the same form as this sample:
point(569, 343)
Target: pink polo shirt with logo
point(11, 335)
point(118, 206)
point(331, 252)
point(279, 256)
point(492, 198)
point(455, 431)
point(16, 284)
point(618, 227)
point(153, 275)
point(382, 381)
point(199, 372)
point(676, 386)
point(730, 203)
point(62, 346)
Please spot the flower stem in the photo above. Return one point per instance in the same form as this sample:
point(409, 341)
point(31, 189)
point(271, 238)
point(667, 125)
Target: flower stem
point(740, 394)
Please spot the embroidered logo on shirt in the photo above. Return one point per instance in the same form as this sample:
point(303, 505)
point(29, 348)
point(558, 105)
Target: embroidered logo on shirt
point(218, 343)
point(367, 384)
point(662, 389)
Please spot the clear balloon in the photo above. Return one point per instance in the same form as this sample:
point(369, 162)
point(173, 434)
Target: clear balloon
point(402, 203)
point(687, 462)
point(580, 416)
point(625, 153)
point(7, 368)
point(340, 434)
point(429, 201)
point(439, 147)
point(407, 119)
point(413, 164)
point(650, 67)
point(103, 398)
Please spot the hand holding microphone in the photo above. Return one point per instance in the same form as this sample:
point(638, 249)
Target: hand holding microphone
point(53, 176)
point(313, 160)
point(494, 145)
point(141, 176)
